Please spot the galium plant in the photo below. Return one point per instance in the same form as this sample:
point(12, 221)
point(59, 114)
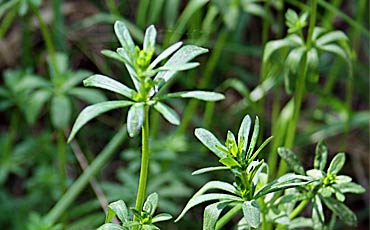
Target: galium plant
point(250, 184)
point(149, 78)
point(328, 187)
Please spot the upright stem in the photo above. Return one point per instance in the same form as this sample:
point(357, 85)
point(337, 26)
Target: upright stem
point(58, 25)
point(300, 89)
point(144, 162)
point(61, 146)
point(228, 216)
point(299, 209)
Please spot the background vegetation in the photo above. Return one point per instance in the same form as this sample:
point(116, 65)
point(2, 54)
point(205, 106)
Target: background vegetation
point(48, 47)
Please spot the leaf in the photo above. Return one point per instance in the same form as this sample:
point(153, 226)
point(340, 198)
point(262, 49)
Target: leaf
point(124, 37)
point(231, 144)
point(60, 111)
point(318, 217)
point(341, 210)
point(210, 141)
point(107, 83)
point(75, 78)
point(216, 185)
point(117, 56)
point(91, 96)
point(254, 138)
point(181, 67)
point(315, 173)
point(342, 179)
point(110, 226)
point(195, 200)
point(149, 39)
point(292, 160)
point(35, 104)
point(272, 46)
point(337, 163)
point(118, 208)
point(243, 134)
point(93, 111)
point(200, 95)
point(337, 50)
point(209, 169)
point(350, 187)
point(294, 59)
point(151, 203)
point(321, 156)
point(255, 154)
point(169, 114)
point(229, 162)
point(331, 37)
point(166, 53)
point(183, 55)
point(299, 223)
point(251, 213)
point(135, 119)
point(161, 217)
point(211, 214)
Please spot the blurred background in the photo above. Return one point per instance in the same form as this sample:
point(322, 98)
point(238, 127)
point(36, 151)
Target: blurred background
point(48, 47)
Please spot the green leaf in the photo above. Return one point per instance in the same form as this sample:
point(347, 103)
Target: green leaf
point(272, 46)
point(151, 203)
point(119, 57)
point(299, 223)
point(91, 96)
point(165, 54)
point(231, 144)
point(181, 67)
point(254, 138)
point(200, 95)
point(135, 119)
point(292, 160)
point(321, 156)
point(211, 214)
point(161, 217)
point(337, 163)
point(294, 59)
point(350, 187)
point(210, 141)
point(195, 200)
point(209, 169)
point(93, 111)
point(168, 113)
point(60, 111)
point(341, 210)
point(35, 104)
point(120, 209)
point(229, 162)
point(255, 154)
point(124, 37)
point(216, 185)
point(183, 55)
point(318, 217)
point(342, 179)
point(331, 37)
point(149, 39)
point(107, 83)
point(243, 134)
point(251, 213)
point(110, 226)
point(74, 79)
point(335, 49)
point(315, 173)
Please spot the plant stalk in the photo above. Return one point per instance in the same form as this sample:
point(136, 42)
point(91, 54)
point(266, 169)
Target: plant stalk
point(299, 209)
point(62, 162)
point(144, 163)
point(228, 216)
point(77, 187)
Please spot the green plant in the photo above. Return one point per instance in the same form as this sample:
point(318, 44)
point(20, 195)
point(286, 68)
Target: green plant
point(148, 80)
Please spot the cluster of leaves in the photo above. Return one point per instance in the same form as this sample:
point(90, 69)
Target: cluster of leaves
point(146, 218)
point(250, 175)
point(306, 51)
point(148, 80)
point(326, 184)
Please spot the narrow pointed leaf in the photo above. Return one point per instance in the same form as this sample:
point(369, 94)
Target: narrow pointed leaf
point(350, 187)
point(262, 146)
point(341, 210)
point(321, 156)
point(216, 185)
point(107, 83)
point(252, 213)
point(93, 111)
point(254, 138)
point(61, 110)
point(161, 217)
point(124, 37)
point(331, 37)
point(337, 163)
point(91, 96)
point(200, 95)
point(166, 53)
point(135, 118)
point(169, 114)
point(244, 132)
point(120, 209)
point(194, 201)
point(151, 203)
point(272, 46)
point(149, 38)
point(210, 141)
point(229, 162)
point(116, 56)
point(209, 169)
point(292, 160)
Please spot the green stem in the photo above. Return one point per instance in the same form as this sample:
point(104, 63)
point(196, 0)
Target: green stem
point(58, 25)
point(228, 216)
point(266, 23)
point(299, 90)
point(10, 138)
point(144, 163)
point(76, 188)
point(62, 162)
point(112, 7)
point(299, 209)
point(7, 21)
